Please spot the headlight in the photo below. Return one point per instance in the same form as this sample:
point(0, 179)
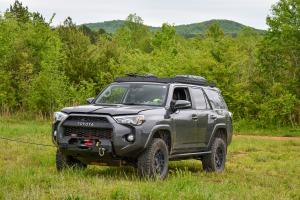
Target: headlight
point(59, 116)
point(130, 119)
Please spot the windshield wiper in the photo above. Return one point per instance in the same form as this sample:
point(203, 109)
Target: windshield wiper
point(130, 104)
point(105, 104)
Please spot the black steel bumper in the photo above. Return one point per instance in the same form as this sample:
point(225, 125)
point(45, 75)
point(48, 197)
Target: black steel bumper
point(115, 148)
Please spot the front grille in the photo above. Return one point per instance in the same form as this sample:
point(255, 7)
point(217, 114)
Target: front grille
point(83, 132)
point(102, 128)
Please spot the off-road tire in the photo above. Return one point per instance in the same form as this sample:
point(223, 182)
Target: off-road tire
point(63, 162)
point(215, 162)
point(156, 152)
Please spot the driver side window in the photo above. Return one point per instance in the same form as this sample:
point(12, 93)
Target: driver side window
point(181, 93)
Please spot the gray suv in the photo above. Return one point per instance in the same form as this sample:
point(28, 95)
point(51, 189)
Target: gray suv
point(145, 121)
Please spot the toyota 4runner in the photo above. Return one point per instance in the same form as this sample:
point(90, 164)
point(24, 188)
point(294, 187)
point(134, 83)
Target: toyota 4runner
point(145, 121)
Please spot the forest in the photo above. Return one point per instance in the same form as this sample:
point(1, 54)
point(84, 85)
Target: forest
point(44, 67)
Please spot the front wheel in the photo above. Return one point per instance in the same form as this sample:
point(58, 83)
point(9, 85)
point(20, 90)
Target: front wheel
point(153, 162)
point(63, 162)
point(215, 162)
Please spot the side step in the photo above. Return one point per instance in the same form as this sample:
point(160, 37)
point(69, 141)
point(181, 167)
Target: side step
point(189, 155)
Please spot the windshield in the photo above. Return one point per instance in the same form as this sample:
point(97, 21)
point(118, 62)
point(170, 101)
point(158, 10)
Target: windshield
point(134, 94)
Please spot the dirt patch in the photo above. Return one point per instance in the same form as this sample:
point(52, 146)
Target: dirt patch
point(279, 138)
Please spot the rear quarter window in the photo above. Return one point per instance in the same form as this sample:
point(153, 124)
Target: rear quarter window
point(215, 99)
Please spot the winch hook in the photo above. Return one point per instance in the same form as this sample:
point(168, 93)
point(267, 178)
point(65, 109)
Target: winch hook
point(101, 150)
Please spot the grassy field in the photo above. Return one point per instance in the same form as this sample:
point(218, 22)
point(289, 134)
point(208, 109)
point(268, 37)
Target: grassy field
point(244, 127)
point(257, 168)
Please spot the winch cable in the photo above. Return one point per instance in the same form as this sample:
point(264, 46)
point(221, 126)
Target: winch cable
point(25, 142)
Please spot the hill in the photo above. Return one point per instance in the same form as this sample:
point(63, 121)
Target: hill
point(229, 27)
point(188, 30)
point(108, 26)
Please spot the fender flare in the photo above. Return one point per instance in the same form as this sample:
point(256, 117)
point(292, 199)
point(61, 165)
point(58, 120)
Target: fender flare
point(215, 130)
point(154, 130)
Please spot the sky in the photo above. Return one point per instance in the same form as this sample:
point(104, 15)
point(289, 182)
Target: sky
point(153, 12)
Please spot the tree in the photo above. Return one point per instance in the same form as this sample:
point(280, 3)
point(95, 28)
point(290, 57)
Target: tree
point(78, 52)
point(215, 31)
point(165, 38)
point(22, 14)
point(134, 34)
point(93, 35)
point(279, 56)
point(28, 46)
point(19, 11)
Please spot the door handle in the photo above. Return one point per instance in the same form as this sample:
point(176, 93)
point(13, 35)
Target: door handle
point(194, 117)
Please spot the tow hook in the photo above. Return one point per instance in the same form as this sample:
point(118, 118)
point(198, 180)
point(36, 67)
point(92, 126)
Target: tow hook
point(101, 150)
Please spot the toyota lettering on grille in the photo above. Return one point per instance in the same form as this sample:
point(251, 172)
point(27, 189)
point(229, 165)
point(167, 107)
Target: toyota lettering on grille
point(87, 124)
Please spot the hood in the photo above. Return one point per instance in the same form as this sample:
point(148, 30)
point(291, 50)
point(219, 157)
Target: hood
point(108, 110)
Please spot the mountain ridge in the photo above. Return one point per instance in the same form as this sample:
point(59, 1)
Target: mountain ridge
point(192, 29)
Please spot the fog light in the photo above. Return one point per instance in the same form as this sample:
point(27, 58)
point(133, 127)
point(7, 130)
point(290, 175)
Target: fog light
point(88, 143)
point(54, 137)
point(130, 138)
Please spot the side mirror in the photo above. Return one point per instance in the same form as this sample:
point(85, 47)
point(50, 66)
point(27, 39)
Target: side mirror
point(181, 104)
point(90, 100)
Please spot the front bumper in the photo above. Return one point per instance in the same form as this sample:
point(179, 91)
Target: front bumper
point(117, 147)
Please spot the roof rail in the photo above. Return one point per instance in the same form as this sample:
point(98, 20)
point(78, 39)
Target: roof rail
point(186, 79)
point(138, 75)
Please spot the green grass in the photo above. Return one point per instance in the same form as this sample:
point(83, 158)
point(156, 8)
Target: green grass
point(256, 169)
point(245, 127)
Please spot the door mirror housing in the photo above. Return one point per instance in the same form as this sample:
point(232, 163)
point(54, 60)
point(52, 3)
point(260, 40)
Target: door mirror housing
point(180, 104)
point(90, 100)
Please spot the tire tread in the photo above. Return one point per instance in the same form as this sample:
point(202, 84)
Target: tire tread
point(145, 159)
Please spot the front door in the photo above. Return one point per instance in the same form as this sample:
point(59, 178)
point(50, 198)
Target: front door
point(184, 128)
point(183, 122)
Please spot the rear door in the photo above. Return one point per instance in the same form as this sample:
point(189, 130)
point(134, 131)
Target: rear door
point(202, 111)
point(219, 113)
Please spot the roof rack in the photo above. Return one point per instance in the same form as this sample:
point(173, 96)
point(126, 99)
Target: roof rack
point(186, 79)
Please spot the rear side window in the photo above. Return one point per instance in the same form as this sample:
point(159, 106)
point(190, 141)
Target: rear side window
point(215, 99)
point(198, 98)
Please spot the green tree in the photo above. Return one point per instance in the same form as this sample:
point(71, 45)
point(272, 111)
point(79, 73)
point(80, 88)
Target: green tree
point(78, 53)
point(166, 38)
point(214, 31)
point(91, 34)
point(29, 48)
point(19, 11)
point(279, 58)
point(134, 34)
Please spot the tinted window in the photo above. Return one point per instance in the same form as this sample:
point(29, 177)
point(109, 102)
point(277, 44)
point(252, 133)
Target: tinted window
point(215, 99)
point(198, 98)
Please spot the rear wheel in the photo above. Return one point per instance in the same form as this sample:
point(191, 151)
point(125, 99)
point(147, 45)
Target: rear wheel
point(215, 162)
point(63, 162)
point(153, 162)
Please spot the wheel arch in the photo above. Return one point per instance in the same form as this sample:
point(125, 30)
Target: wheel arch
point(161, 131)
point(220, 130)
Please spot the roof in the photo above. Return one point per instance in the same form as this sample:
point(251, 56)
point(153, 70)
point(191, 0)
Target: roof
point(186, 79)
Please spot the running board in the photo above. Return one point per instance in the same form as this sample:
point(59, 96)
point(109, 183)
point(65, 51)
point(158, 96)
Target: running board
point(183, 155)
